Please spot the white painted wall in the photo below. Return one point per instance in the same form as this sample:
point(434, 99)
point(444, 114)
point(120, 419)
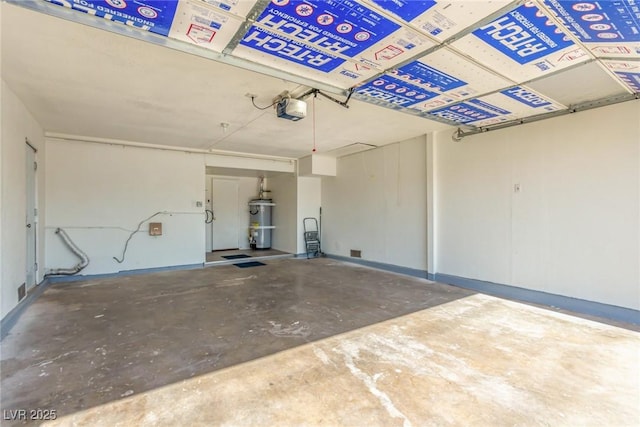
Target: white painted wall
point(284, 192)
point(432, 234)
point(309, 197)
point(246, 162)
point(247, 190)
point(2, 86)
point(317, 165)
point(295, 199)
point(100, 193)
point(573, 229)
point(378, 204)
point(325, 165)
point(17, 124)
point(305, 166)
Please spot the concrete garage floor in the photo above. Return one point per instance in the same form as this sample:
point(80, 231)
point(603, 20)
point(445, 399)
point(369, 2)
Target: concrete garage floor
point(300, 342)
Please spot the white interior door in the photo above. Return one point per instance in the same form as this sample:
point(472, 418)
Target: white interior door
point(224, 204)
point(30, 220)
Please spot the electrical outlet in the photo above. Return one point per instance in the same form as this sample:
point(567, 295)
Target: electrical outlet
point(516, 188)
point(155, 229)
point(198, 204)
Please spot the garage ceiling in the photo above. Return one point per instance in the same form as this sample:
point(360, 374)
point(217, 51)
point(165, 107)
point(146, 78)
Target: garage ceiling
point(428, 64)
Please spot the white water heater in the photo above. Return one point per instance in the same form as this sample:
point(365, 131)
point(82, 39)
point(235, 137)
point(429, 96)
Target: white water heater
point(260, 227)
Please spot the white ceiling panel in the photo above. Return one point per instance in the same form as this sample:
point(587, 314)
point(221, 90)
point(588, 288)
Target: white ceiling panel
point(587, 82)
point(335, 127)
point(609, 28)
point(440, 19)
point(523, 44)
point(199, 23)
point(347, 150)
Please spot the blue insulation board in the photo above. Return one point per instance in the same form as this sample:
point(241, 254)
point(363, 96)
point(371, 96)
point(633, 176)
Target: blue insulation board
point(600, 21)
point(339, 26)
point(155, 16)
point(395, 91)
point(527, 97)
point(406, 9)
point(470, 111)
point(524, 35)
point(631, 79)
point(421, 74)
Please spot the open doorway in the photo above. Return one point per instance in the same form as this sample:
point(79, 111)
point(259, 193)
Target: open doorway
point(228, 219)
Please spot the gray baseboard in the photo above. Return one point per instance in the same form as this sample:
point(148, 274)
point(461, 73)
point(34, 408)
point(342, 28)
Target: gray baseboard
point(591, 308)
point(9, 321)
point(76, 278)
point(422, 274)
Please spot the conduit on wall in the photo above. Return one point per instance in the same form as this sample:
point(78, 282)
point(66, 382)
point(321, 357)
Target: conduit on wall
point(137, 230)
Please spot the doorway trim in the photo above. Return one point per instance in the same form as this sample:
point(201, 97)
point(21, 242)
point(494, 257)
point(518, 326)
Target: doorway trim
point(31, 215)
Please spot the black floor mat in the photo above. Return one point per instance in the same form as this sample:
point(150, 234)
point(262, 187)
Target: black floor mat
point(249, 264)
point(236, 256)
